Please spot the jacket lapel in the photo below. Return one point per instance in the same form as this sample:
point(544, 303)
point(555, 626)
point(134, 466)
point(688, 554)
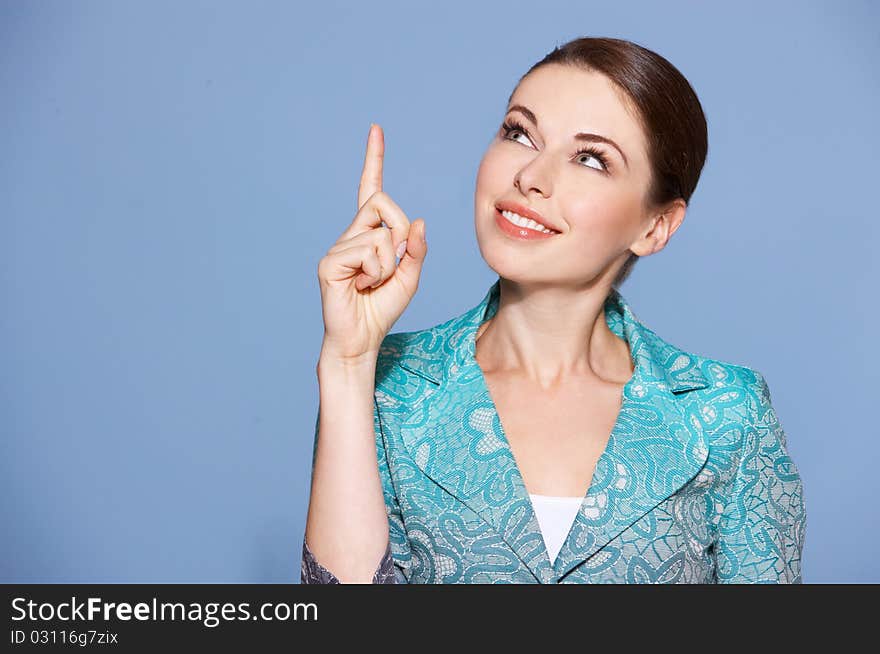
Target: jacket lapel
point(455, 437)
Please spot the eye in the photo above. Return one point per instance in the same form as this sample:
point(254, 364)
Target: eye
point(511, 126)
point(595, 154)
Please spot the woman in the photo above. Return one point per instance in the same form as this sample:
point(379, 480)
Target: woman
point(546, 435)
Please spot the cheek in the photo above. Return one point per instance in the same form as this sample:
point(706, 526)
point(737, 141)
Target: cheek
point(492, 175)
point(493, 181)
point(602, 220)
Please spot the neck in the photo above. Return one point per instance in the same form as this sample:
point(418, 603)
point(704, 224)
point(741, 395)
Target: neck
point(552, 335)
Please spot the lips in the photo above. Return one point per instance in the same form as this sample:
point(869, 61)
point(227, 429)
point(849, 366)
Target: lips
point(520, 233)
point(526, 212)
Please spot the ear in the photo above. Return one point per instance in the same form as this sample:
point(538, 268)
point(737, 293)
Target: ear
point(663, 225)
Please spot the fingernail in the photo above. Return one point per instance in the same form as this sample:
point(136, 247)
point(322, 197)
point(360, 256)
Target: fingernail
point(401, 248)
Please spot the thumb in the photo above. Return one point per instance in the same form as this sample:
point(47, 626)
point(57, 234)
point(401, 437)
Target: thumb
point(410, 266)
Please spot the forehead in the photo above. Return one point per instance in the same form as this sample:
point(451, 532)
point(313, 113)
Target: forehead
point(567, 100)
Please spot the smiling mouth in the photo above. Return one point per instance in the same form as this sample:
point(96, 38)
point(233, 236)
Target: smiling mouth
point(519, 221)
point(521, 232)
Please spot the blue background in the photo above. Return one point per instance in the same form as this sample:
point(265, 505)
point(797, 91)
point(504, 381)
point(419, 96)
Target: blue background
point(172, 172)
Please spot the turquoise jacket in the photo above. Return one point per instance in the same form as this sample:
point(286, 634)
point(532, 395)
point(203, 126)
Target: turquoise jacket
point(695, 484)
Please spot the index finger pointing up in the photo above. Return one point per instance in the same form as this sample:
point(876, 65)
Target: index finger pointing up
point(371, 177)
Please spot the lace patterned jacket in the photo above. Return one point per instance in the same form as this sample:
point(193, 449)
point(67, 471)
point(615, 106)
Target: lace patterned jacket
point(695, 484)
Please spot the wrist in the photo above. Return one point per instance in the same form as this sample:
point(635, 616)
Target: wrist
point(330, 363)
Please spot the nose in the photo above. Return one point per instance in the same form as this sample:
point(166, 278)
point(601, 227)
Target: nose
point(534, 176)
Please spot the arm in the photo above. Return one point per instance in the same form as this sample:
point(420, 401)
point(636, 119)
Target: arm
point(762, 529)
point(346, 527)
point(313, 571)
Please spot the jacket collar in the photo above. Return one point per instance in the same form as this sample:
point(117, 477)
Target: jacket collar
point(455, 436)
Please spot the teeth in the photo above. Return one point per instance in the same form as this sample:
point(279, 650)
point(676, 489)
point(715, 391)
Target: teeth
point(519, 221)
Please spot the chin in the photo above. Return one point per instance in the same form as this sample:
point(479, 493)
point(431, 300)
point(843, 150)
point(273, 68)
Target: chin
point(508, 263)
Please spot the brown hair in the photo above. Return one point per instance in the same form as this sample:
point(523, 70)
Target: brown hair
point(663, 102)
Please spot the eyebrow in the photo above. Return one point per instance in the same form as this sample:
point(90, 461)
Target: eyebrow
point(580, 136)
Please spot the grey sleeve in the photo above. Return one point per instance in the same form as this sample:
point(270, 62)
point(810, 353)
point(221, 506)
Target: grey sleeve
point(313, 572)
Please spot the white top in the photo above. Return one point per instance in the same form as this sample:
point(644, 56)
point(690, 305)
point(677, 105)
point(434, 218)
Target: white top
point(555, 516)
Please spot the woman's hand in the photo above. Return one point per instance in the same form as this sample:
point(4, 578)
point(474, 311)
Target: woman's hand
point(363, 290)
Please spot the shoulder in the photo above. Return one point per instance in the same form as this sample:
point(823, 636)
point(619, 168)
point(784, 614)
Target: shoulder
point(735, 401)
point(414, 351)
point(722, 373)
point(411, 364)
point(425, 351)
point(720, 388)
point(713, 375)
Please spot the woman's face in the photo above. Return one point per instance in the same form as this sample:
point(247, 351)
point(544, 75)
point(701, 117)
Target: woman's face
point(593, 200)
